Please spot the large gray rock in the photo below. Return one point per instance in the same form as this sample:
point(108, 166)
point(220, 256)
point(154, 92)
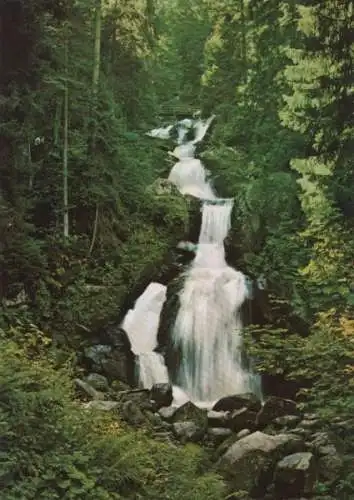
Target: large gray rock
point(101, 405)
point(275, 407)
point(218, 418)
point(132, 414)
point(248, 463)
point(238, 401)
point(167, 413)
point(97, 381)
point(287, 421)
point(115, 361)
point(243, 418)
point(188, 431)
point(217, 435)
point(87, 390)
point(190, 412)
point(161, 394)
point(295, 475)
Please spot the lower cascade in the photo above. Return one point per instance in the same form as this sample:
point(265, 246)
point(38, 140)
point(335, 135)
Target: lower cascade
point(207, 330)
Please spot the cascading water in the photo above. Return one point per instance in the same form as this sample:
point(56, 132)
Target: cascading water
point(207, 331)
point(141, 324)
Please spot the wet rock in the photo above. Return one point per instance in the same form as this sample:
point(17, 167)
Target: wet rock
point(242, 419)
point(101, 405)
point(249, 461)
point(87, 390)
point(275, 407)
point(97, 381)
point(161, 394)
point(218, 434)
point(190, 412)
point(218, 418)
point(188, 431)
point(114, 361)
point(167, 412)
point(287, 421)
point(328, 448)
point(295, 475)
point(140, 397)
point(96, 353)
point(310, 424)
point(243, 433)
point(238, 401)
point(132, 414)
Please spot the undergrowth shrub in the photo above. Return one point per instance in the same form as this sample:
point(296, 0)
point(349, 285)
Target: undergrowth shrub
point(51, 448)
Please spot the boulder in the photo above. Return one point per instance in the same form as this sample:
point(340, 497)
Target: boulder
point(190, 412)
point(132, 414)
point(287, 421)
point(242, 419)
point(87, 390)
point(167, 413)
point(275, 407)
point(238, 401)
point(295, 475)
point(115, 361)
point(248, 463)
point(218, 418)
point(161, 394)
point(101, 405)
point(97, 381)
point(188, 431)
point(140, 397)
point(217, 435)
point(328, 448)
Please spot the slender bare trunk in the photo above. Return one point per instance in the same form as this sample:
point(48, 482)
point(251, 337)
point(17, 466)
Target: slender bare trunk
point(66, 130)
point(94, 233)
point(97, 47)
point(95, 83)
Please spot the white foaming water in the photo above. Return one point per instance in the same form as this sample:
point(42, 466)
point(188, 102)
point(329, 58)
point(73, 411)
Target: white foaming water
point(190, 177)
point(216, 222)
point(141, 325)
point(208, 326)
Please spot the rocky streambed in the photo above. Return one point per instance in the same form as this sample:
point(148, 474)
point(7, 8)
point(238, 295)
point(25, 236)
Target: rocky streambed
point(270, 450)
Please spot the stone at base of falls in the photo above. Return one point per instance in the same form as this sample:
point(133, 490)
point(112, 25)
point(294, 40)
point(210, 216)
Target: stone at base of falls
point(162, 394)
point(188, 431)
point(87, 390)
point(115, 360)
point(101, 405)
point(217, 435)
point(275, 407)
point(249, 462)
point(295, 475)
point(190, 412)
point(97, 381)
point(244, 418)
point(238, 401)
point(132, 414)
point(218, 418)
point(287, 421)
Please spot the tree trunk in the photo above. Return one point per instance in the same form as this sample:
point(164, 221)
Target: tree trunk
point(66, 129)
point(97, 47)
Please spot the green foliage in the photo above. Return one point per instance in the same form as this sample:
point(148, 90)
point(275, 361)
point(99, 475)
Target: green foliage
point(321, 363)
point(52, 448)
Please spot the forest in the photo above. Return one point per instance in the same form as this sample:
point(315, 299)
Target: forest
point(84, 229)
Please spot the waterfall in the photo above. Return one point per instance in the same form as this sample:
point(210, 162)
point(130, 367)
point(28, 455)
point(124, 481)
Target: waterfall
point(207, 330)
point(141, 324)
point(208, 325)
